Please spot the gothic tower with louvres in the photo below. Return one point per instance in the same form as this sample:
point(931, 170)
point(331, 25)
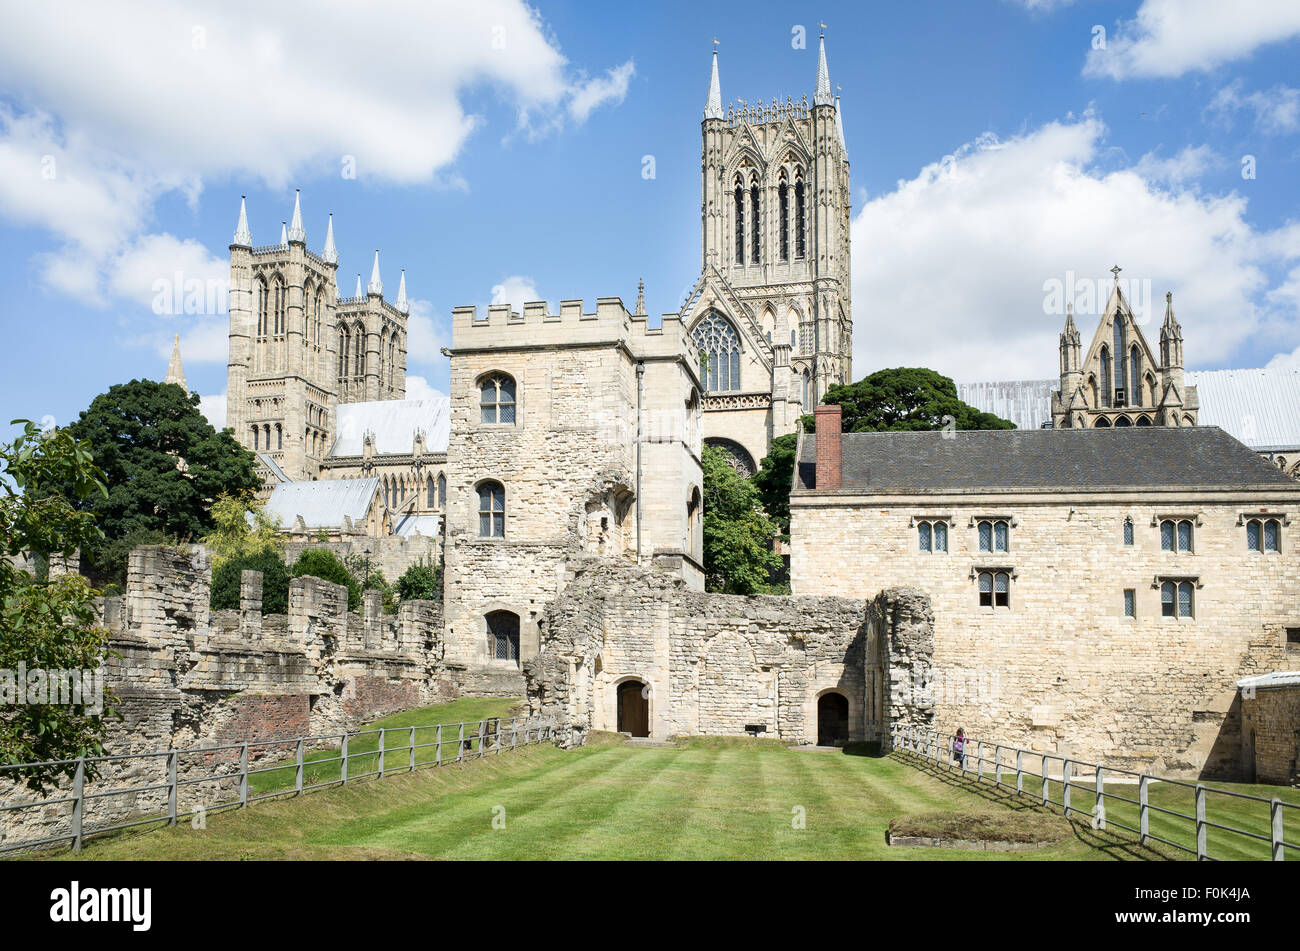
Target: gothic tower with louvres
point(299, 349)
point(772, 310)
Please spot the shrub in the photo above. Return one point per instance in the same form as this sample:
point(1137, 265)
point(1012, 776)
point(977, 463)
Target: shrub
point(275, 582)
point(323, 563)
point(419, 583)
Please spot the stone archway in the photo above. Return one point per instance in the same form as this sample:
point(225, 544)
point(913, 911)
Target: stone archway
point(832, 719)
point(633, 707)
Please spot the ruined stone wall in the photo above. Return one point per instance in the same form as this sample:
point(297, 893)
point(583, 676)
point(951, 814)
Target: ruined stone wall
point(1062, 669)
point(185, 677)
point(708, 663)
point(1271, 718)
point(391, 554)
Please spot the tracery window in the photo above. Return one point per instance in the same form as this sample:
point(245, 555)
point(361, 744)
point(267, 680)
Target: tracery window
point(497, 399)
point(932, 536)
point(993, 534)
point(783, 210)
point(717, 339)
point(1176, 535)
point(1263, 534)
point(1177, 599)
point(995, 589)
point(740, 221)
point(754, 218)
point(491, 510)
point(800, 237)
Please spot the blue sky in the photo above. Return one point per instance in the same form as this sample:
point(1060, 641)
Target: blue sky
point(500, 151)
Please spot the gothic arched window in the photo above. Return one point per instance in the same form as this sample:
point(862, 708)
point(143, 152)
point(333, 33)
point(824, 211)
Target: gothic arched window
point(800, 237)
point(315, 325)
point(740, 221)
point(783, 212)
point(262, 311)
point(1107, 392)
point(1135, 376)
point(717, 339)
point(359, 345)
point(754, 219)
point(503, 635)
point(1120, 350)
point(807, 392)
point(491, 510)
point(281, 302)
point(442, 491)
point(343, 353)
point(497, 399)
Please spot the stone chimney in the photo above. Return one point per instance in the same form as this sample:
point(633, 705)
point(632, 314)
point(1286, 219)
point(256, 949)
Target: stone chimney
point(827, 416)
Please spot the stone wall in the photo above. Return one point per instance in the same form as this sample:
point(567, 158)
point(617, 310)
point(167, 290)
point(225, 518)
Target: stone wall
point(1271, 731)
point(185, 678)
point(1062, 669)
point(391, 554)
point(709, 663)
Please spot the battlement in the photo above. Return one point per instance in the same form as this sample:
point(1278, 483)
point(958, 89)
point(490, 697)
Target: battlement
point(742, 113)
point(610, 323)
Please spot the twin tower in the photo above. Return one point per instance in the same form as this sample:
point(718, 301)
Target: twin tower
point(771, 311)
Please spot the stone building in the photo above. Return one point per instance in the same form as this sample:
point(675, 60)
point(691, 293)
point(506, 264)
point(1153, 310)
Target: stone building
point(571, 433)
point(1121, 381)
point(1270, 728)
point(1096, 593)
point(772, 308)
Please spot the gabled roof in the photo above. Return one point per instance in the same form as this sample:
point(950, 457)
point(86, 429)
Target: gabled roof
point(393, 424)
point(322, 504)
point(1194, 458)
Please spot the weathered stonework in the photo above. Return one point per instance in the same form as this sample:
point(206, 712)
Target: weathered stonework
point(1270, 725)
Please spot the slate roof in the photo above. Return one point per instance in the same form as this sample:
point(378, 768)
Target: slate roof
point(393, 423)
point(1149, 457)
point(322, 504)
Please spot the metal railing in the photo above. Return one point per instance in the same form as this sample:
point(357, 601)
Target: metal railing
point(449, 743)
point(1196, 829)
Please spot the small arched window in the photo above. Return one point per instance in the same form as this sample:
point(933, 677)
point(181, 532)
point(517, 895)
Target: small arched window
point(263, 312)
point(800, 236)
point(442, 491)
point(1264, 534)
point(432, 493)
point(1176, 535)
point(1177, 599)
point(754, 218)
point(1107, 391)
point(932, 536)
point(503, 635)
point(993, 534)
point(783, 212)
point(281, 303)
point(491, 510)
point(1128, 531)
point(739, 195)
point(497, 399)
point(995, 589)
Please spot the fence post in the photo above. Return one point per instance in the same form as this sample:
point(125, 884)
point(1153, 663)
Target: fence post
point(460, 743)
point(997, 766)
point(482, 738)
point(381, 752)
point(1046, 797)
point(243, 776)
point(1101, 799)
point(514, 732)
point(411, 768)
point(1065, 786)
point(79, 802)
point(1275, 815)
point(1144, 813)
point(1020, 772)
point(343, 773)
point(171, 788)
point(979, 760)
point(437, 747)
point(1200, 822)
point(297, 773)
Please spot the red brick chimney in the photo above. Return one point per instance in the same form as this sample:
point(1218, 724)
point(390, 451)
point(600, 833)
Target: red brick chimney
point(827, 417)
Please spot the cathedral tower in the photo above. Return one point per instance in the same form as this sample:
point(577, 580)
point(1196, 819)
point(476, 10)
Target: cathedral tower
point(298, 349)
point(772, 309)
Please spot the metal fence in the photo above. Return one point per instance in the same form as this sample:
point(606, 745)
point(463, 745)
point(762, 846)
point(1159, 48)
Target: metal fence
point(237, 771)
point(1106, 808)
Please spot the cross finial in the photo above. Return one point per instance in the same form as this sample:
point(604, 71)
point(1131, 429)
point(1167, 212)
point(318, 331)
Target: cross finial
point(1115, 270)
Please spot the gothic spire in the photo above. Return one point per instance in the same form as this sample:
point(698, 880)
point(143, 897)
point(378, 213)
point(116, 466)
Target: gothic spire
point(243, 237)
point(401, 302)
point(640, 297)
point(713, 108)
point(296, 230)
point(330, 254)
point(1171, 322)
point(175, 371)
point(839, 126)
point(1070, 329)
point(376, 286)
point(358, 293)
point(823, 96)
point(284, 235)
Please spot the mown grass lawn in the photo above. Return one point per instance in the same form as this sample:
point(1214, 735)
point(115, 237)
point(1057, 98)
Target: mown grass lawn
point(700, 799)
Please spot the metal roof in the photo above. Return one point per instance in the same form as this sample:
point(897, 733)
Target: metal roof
point(1027, 403)
point(393, 424)
point(1122, 458)
point(1261, 407)
point(426, 525)
point(1281, 678)
point(322, 504)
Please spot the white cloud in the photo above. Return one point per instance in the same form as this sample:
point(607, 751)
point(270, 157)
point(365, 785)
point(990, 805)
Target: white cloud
point(1277, 111)
point(426, 334)
point(124, 109)
point(951, 268)
point(611, 88)
point(1172, 37)
point(418, 388)
point(515, 290)
point(214, 408)
point(1187, 166)
point(1040, 6)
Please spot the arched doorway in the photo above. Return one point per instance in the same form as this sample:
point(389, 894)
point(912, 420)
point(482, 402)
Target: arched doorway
point(634, 708)
point(832, 719)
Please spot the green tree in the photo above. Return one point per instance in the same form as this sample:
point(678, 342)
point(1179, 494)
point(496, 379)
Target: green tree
point(323, 563)
point(738, 555)
point(907, 399)
point(227, 579)
point(48, 624)
point(163, 462)
point(419, 583)
point(772, 480)
point(242, 527)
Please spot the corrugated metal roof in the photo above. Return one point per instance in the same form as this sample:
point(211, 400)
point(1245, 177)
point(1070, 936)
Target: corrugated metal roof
point(1260, 407)
point(1027, 403)
point(393, 423)
point(426, 525)
point(273, 466)
point(322, 504)
point(1281, 678)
